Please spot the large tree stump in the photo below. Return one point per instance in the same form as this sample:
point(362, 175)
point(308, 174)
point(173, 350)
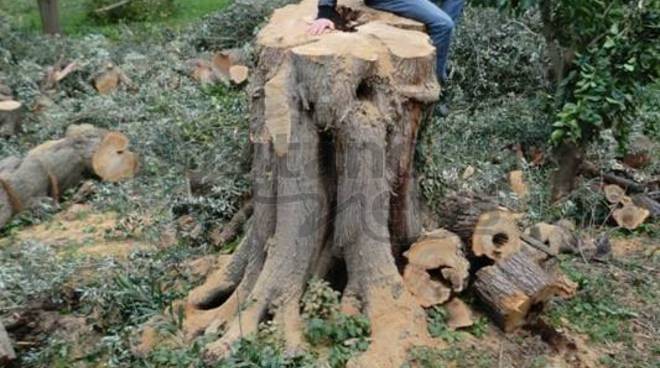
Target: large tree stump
point(488, 229)
point(334, 119)
point(55, 166)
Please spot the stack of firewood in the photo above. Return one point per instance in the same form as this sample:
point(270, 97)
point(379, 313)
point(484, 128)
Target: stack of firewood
point(481, 247)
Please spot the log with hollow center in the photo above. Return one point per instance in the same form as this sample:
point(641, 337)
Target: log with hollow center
point(334, 120)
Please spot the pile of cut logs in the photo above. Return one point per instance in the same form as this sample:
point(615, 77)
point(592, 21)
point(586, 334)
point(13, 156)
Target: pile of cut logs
point(481, 246)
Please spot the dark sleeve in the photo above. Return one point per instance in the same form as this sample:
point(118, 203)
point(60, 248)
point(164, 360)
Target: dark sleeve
point(327, 10)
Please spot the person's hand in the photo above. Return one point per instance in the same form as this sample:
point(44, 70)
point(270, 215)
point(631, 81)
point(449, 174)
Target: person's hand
point(320, 26)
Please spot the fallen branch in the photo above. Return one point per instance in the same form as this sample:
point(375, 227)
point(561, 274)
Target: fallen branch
point(231, 229)
point(592, 170)
point(111, 6)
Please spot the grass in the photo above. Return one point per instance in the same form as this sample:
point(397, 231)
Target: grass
point(75, 22)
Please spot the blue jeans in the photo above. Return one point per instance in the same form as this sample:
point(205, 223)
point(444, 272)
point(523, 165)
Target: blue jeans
point(439, 21)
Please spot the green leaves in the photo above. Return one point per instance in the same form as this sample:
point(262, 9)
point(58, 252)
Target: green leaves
point(327, 326)
point(614, 43)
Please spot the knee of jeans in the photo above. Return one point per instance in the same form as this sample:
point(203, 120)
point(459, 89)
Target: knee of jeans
point(442, 23)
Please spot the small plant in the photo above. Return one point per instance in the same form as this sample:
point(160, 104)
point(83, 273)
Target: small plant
point(265, 349)
point(595, 310)
point(436, 318)
point(327, 326)
point(459, 357)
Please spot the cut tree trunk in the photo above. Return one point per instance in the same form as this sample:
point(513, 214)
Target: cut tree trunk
point(436, 267)
point(10, 117)
point(568, 159)
point(50, 16)
point(6, 350)
point(334, 120)
point(488, 229)
point(515, 287)
point(55, 166)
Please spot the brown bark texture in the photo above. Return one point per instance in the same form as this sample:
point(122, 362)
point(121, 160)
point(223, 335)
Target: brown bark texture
point(334, 121)
point(488, 229)
point(50, 16)
point(515, 286)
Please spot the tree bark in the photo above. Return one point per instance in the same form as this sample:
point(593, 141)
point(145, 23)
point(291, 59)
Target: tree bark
point(516, 286)
point(55, 166)
point(488, 229)
point(334, 121)
point(50, 16)
point(568, 159)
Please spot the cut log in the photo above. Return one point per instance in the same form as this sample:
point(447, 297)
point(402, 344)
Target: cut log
point(516, 286)
point(221, 62)
point(10, 117)
point(436, 267)
point(6, 350)
point(112, 161)
point(459, 314)
point(645, 201)
point(630, 216)
point(614, 193)
point(226, 66)
point(55, 166)
point(517, 183)
point(202, 71)
point(488, 229)
point(591, 170)
point(558, 239)
point(238, 73)
point(109, 79)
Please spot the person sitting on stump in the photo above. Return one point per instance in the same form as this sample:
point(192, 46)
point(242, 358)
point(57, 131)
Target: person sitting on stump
point(439, 21)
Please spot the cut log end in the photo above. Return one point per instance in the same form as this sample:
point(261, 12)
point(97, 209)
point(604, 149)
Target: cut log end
point(614, 193)
point(436, 267)
point(517, 184)
point(630, 216)
point(238, 73)
point(112, 161)
point(556, 238)
point(460, 315)
point(496, 235)
point(10, 105)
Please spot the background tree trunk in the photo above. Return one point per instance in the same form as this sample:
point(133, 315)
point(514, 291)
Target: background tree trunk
point(50, 16)
point(334, 122)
